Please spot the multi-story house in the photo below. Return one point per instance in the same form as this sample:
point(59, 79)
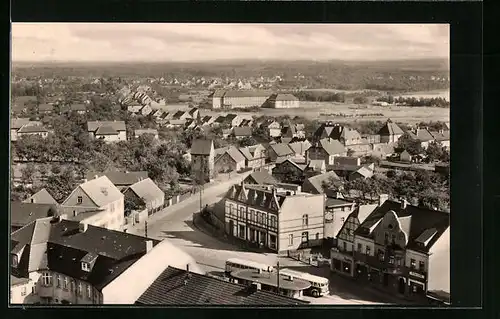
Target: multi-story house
point(119, 179)
point(109, 131)
point(390, 132)
point(300, 148)
point(230, 160)
point(273, 128)
point(337, 211)
point(147, 193)
point(203, 159)
point(278, 152)
point(404, 249)
point(281, 220)
point(326, 149)
point(96, 202)
point(255, 156)
point(284, 101)
point(422, 135)
point(342, 256)
point(57, 261)
point(288, 171)
point(217, 101)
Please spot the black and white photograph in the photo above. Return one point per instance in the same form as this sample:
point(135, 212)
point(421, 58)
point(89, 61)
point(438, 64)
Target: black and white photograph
point(217, 164)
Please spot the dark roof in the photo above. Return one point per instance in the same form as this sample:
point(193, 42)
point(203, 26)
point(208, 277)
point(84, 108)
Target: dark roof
point(256, 197)
point(202, 147)
point(24, 213)
point(230, 117)
point(282, 149)
point(119, 178)
point(32, 129)
point(92, 126)
point(441, 136)
point(178, 114)
point(262, 177)
point(218, 93)
point(242, 131)
point(418, 221)
point(390, 128)
point(331, 202)
point(65, 246)
point(106, 130)
point(247, 93)
point(175, 287)
point(332, 146)
point(422, 135)
point(192, 111)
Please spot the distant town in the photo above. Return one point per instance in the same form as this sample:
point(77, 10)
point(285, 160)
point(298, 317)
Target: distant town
point(252, 184)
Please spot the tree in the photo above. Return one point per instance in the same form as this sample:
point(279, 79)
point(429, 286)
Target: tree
point(350, 152)
point(412, 146)
point(360, 100)
point(62, 185)
point(247, 141)
point(28, 173)
point(436, 152)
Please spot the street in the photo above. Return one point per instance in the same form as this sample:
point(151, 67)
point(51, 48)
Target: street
point(176, 225)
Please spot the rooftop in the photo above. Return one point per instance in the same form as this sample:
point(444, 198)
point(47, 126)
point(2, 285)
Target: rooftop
point(202, 147)
point(176, 287)
point(92, 126)
point(22, 214)
point(147, 190)
point(119, 178)
point(100, 190)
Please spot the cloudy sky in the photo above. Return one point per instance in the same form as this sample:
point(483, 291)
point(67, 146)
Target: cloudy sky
point(201, 42)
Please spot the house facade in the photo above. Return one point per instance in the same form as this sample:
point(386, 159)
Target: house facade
point(337, 211)
point(230, 161)
point(147, 192)
point(255, 156)
point(244, 98)
point(33, 130)
point(203, 159)
point(284, 101)
point(281, 221)
point(98, 202)
point(109, 131)
point(279, 152)
point(326, 149)
point(288, 171)
point(390, 132)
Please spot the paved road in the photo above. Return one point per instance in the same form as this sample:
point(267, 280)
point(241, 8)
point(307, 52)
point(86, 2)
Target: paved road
point(175, 224)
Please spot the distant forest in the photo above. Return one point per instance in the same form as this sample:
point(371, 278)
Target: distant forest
point(385, 75)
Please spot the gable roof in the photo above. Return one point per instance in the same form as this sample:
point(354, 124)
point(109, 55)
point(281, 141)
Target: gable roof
point(441, 136)
point(317, 164)
point(17, 123)
point(300, 147)
point(100, 190)
point(59, 246)
point(332, 146)
point(317, 180)
point(175, 287)
point(281, 149)
point(390, 128)
point(422, 135)
point(45, 107)
point(41, 197)
point(286, 97)
point(119, 178)
point(32, 129)
point(247, 93)
point(202, 147)
point(417, 221)
point(92, 126)
point(242, 131)
point(262, 178)
point(235, 154)
point(22, 213)
point(147, 190)
point(106, 130)
point(254, 195)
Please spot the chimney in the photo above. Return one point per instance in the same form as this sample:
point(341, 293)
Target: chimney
point(149, 246)
point(82, 227)
point(403, 203)
point(382, 198)
point(96, 176)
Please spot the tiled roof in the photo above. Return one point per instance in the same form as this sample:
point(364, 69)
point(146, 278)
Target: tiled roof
point(253, 195)
point(331, 202)
point(41, 197)
point(332, 146)
point(441, 136)
point(24, 213)
point(92, 126)
point(119, 178)
point(422, 135)
point(417, 220)
point(247, 93)
point(242, 131)
point(60, 246)
point(101, 191)
point(45, 107)
point(175, 287)
point(262, 177)
point(106, 130)
point(235, 154)
point(390, 128)
point(17, 123)
point(246, 152)
point(286, 97)
point(147, 190)
point(178, 114)
point(300, 147)
point(201, 147)
point(219, 93)
point(317, 180)
point(282, 149)
point(32, 129)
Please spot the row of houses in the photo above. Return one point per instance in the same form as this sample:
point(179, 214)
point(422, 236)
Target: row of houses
point(230, 99)
point(100, 200)
point(391, 244)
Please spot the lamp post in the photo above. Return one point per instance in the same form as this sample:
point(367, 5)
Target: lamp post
point(278, 275)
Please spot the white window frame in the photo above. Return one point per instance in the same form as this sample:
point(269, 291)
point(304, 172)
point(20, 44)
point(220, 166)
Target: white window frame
point(46, 279)
point(306, 237)
point(24, 291)
point(79, 199)
point(14, 261)
point(65, 283)
point(58, 281)
point(85, 266)
point(80, 289)
point(290, 240)
point(305, 220)
point(89, 291)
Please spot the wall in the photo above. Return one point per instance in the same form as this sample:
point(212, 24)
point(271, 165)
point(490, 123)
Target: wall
point(340, 216)
point(291, 222)
point(113, 216)
point(134, 281)
point(396, 233)
point(365, 242)
point(72, 199)
point(241, 102)
point(439, 264)
point(318, 153)
point(286, 104)
point(225, 163)
point(42, 134)
point(274, 132)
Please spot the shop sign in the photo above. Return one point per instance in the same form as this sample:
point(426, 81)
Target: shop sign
point(415, 274)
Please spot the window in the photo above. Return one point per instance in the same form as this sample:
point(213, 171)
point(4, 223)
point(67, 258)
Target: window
point(360, 247)
point(89, 291)
point(264, 219)
point(23, 291)
point(85, 266)
point(65, 283)
point(386, 238)
point(79, 199)
point(393, 238)
point(344, 245)
point(305, 237)
point(305, 220)
point(421, 266)
point(250, 215)
point(381, 255)
point(414, 288)
point(367, 250)
point(14, 261)
point(290, 239)
point(413, 264)
point(241, 231)
point(398, 261)
point(242, 212)
point(317, 236)
point(391, 260)
point(46, 279)
point(58, 281)
point(273, 222)
point(80, 289)
point(342, 220)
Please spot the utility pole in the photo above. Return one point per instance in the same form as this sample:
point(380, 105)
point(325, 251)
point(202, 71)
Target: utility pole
point(278, 275)
point(146, 228)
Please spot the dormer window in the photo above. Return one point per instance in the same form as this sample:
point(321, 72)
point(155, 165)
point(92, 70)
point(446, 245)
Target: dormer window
point(85, 266)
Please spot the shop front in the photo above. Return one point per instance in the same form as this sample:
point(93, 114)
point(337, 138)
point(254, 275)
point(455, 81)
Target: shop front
point(416, 285)
point(342, 263)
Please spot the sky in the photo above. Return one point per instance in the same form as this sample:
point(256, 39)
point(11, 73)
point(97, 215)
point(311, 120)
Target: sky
point(193, 42)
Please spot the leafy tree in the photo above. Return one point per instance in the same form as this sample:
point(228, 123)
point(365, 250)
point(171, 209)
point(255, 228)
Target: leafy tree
point(61, 185)
point(28, 173)
point(360, 100)
point(412, 146)
point(437, 152)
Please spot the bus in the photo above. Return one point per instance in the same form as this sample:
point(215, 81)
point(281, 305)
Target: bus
point(319, 285)
point(236, 264)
